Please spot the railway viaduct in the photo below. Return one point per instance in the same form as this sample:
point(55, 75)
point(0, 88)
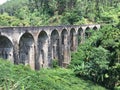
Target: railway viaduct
point(38, 46)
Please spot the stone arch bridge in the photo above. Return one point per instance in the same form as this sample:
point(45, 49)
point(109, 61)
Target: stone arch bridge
point(38, 46)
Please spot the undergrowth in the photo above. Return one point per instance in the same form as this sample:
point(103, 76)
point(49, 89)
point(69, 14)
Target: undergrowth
point(19, 77)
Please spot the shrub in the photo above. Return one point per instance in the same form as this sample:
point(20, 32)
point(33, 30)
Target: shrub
point(98, 58)
point(55, 63)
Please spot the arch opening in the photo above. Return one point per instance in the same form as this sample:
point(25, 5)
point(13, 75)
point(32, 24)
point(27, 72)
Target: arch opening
point(26, 50)
point(55, 44)
point(64, 37)
point(87, 33)
point(6, 48)
point(95, 28)
point(72, 39)
point(65, 48)
point(42, 60)
point(80, 36)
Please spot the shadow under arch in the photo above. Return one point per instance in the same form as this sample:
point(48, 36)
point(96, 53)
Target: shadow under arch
point(94, 28)
point(87, 32)
point(65, 48)
point(6, 48)
point(72, 39)
point(80, 36)
point(42, 50)
point(27, 50)
point(64, 36)
point(55, 46)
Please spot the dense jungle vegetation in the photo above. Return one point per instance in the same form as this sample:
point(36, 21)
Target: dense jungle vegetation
point(97, 61)
point(19, 77)
point(58, 12)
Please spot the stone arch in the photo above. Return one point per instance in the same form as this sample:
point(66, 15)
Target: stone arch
point(27, 50)
point(87, 32)
point(6, 48)
point(55, 44)
point(42, 59)
point(72, 39)
point(80, 35)
point(65, 47)
point(24, 32)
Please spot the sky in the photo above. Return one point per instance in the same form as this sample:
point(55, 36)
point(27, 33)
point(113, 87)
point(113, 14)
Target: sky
point(2, 1)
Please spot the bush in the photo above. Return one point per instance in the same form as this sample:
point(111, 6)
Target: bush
point(55, 63)
point(98, 58)
point(19, 77)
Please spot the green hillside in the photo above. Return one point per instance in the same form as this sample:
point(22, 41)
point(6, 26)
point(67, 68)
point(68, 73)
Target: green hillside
point(58, 12)
point(19, 77)
point(98, 59)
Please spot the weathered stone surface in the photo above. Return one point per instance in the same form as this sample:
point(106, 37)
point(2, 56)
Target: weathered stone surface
point(38, 46)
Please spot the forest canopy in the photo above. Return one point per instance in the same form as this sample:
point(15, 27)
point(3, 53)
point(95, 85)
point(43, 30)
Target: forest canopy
point(59, 12)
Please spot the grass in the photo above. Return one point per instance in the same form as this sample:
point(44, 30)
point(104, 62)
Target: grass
point(19, 77)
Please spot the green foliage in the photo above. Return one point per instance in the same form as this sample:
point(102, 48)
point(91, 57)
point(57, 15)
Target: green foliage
point(6, 20)
point(60, 12)
point(111, 15)
point(55, 63)
point(98, 59)
point(19, 77)
point(94, 64)
point(11, 6)
point(71, 17)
